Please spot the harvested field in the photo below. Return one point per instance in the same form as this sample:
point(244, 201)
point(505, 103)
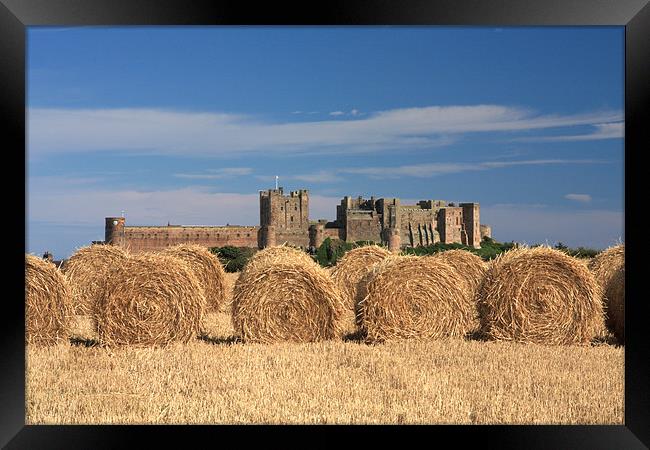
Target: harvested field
point(334, 382)
point(220, 380)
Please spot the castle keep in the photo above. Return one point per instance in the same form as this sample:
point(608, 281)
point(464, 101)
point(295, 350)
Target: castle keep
point(285, 218)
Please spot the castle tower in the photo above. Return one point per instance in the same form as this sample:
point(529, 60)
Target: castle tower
point(114, 231)
point(284, 218)
point(393, 238)
point(471, 222)
point(316, 235)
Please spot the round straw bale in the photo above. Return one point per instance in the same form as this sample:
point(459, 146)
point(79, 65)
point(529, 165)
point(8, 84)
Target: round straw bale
point(362, 286)
point(352, 267)
point(278, 253)
point(609, 269)
point(540, 295)
point(615, 297)
point(150, 300)
point(272, 255)
point(207, 268)
point(470, 266)
point(282, 297)
point(415, 297)
point(86, 270)
point(48, 301)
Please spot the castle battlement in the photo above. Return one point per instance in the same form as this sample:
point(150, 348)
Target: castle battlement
point(285, 219)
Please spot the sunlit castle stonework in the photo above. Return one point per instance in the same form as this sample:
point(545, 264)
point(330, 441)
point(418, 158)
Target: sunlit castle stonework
point(284, 218)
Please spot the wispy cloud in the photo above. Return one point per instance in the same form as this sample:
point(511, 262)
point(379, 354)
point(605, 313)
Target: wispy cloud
point(337, 113)
point(216, 174)
point(322, 176)
point(583, 198)
point(614, 130)
point(436, 169)
point(193, 205)
point(157, 131)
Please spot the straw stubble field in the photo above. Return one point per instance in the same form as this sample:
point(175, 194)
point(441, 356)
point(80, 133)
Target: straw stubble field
point(216, 380)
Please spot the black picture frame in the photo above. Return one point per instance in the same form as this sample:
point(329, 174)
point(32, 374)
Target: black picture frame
point(16, 15)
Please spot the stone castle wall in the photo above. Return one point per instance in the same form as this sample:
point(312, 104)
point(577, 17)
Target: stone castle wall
point(140, 239)
point(285, 219)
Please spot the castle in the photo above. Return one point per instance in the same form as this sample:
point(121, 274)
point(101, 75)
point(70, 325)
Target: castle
point(285, 218)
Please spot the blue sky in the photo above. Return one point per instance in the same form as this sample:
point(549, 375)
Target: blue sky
point(186, 124)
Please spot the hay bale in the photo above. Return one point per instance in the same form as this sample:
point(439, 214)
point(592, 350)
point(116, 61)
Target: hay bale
point(540, 295)
point(609, 269)
point(469, 265)
point(615, 300)
point(284, 297)
point(208, 271)
point(86, 270)
point(48, 303)
point(415, 297)
point(353, 266)
point(279, 252)
point(270, 255)
point(150, 300)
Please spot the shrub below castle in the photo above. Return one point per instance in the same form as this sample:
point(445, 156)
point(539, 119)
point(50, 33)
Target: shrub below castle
point(331, 250)
point(233, 258)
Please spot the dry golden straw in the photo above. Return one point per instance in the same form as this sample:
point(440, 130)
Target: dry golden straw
point(86, 270)
point(609, 269)
point(269, 255)
point(470, 267)
point(415, 297)
point(353, 266)
point(540, 295)
point(150, 300)
point(284, 296)
point(272, 253)
point(207, 268)
point(48, 303)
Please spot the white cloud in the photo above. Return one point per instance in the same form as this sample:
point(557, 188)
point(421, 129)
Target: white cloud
point(216, 174)
point(435, 169)
point(614, 130)
point(354, 112)
point(55, 202)
point(337, 113)
point(584, 198)
point(322, 176)
point(157, 131)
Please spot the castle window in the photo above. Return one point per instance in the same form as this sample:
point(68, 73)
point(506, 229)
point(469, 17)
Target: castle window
point(281, 208)
point(296, 208)
point(292, 218)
